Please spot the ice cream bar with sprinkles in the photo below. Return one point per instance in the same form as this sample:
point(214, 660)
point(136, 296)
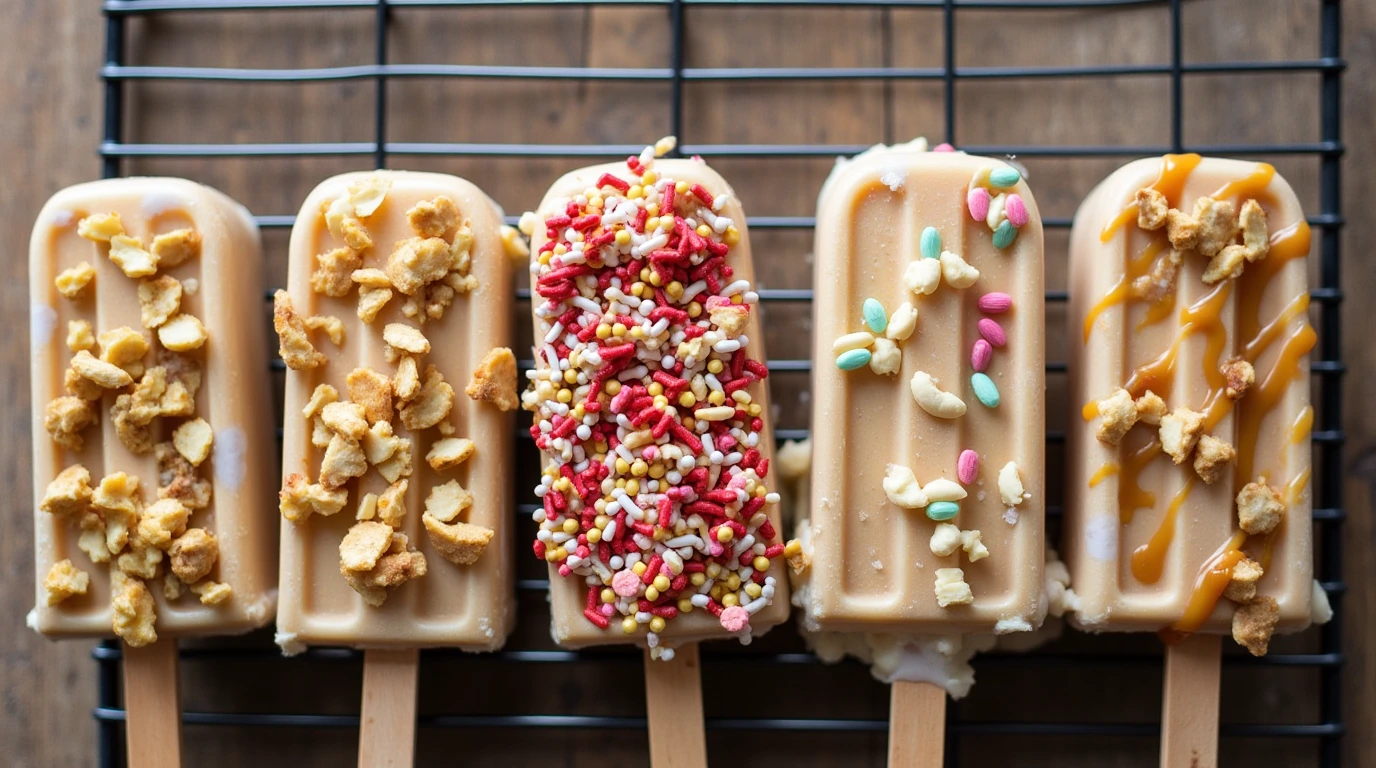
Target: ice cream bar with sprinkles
point(928, 412)
point(658, 516)
point(1189, 463)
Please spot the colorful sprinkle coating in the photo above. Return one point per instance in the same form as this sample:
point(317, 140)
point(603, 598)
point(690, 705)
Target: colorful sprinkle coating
point(653, 491)
point(967, 466)
point(942, 511)
point(930, 243)
point(875, 316)
point(1004, 176)
point(985, 390)
point(853, 359)
point(1005, 234)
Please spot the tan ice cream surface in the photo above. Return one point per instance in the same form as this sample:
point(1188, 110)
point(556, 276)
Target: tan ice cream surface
point(1149, 544)
point(232, 398)
point(872, 566)
point(569, 627)
point(468, 606)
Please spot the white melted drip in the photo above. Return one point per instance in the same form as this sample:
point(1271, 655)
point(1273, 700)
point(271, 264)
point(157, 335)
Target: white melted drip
point(42, 321)
point(231, 447)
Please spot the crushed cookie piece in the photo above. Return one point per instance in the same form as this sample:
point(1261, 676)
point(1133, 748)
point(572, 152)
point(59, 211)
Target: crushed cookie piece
point(1240, 376)
point(371, 301)
point(190, 286)
point(404, 338)
point(323, 395)
point(1226, 265)
point(140, 559)
point(1160, 281)
point(1151, 209)
point(730, 318)
point(333, 327)
point(1217, 224)
point(798, 559)
point(1255, 623)
point(182, 370)
point(391, 504)
point(371, 390)
point(212, 592)
point(331, 276)
point(1242, 586)
point(133, 610)
point(162, 521)
point(459, 543)
point(447, 502)
point(298, 499)
point(971, 542)
point(367, 195)
point(431, 405)
point(1259, 508)
point(449, 453)
point(344, 459)
point(494, 380)
point(193, 440)
point(293, 344)
point(1180, 430)
point(1212, 457)
point(80, 336)
point(176, 247)
point(1011, 491)
point(951, 588)
point(343, 224)
point(65, 580)
point(945, 540)
point(371, 278)
point(81, 387)
point(406, 381)
point(99, 372)
point(65, 418)
point(446, 429)
point(193, 554)
point(100, 227)
point(345, 419)
point(172, 587)
point(177, 479)
point(117, 501)
point(159, 299)
point(1117, 415)
point(401, 564)
point(1150, 408)
point(399, 465)
point(418, 262)
point(182, 333)
point(321, 435)
point(1182, 230)
point(380, 443)
point(433, 218)
point(1255, 239)
point(130, 256)
point(91, 540)
point(71, 283)
point(123, 346)
point(461, 283)
point(69, 493)
point(367, 507)
point(364, 544)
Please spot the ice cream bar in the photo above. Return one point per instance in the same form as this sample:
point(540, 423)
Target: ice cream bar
point(927, 424)
point(395, 328)
point(1188, 506)
point(658, 519)
point(152, 439)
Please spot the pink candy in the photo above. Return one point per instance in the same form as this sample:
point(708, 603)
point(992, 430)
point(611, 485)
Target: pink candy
point(626, 583)
point(995, 303)
point(943, 147)
point(967, 466)
point(1015, 209)
point(980, 355)
point(735, 618)
point(992, 332)
point(978, 203)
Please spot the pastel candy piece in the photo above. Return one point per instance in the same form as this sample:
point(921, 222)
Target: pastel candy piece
point(992, 332)
point(875, 316)
point(985, 390)
point(852, 359)
point(977, 201)
point(1015, 210)
point(942, 511)
point(980, 355)
point(1004, 176)
point(1005, 234)
point(930, 243)
point(995, 303)
point(967, 466)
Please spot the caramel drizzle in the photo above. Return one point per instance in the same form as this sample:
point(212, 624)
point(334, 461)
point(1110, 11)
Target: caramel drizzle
point(1121, 292)
point(1175, 171)
point(1293, 490)
point(1204, 316)
point(1213, 578)
point(1131, 495)
point(1303, 426)
point(1109, 469)
point(1150, 559)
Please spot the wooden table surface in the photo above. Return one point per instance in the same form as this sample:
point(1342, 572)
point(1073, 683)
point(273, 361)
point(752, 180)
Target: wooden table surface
point(52, 124)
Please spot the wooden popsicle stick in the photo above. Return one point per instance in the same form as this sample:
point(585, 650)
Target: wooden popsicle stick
point(152, 706)
point(1189, 709)
point(387, 722)
point(917, 725)
point(673, 708)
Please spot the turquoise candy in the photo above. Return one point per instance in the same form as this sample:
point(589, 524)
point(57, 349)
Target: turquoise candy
point(1005, 234)
point(1004, 177)
point(875, 316)
point(852, 359)
point(930, 243)
point(942, 511)
point(985, 390)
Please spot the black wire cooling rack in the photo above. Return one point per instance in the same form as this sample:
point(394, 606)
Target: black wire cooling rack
point(1323, 727)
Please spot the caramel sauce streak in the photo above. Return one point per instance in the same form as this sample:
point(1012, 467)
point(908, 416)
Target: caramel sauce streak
point(1262, 399)
point(1203, 316)
point(1109, 469)
point(1149, 560)
point(1121, 292)
point(1213, 578)
point(1303, 426)
point(1131, 495)
point(1175, 170)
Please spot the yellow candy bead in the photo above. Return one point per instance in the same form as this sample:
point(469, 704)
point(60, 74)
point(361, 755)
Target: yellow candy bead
point(685, 605)
point(632, 487)
point(754, 590)
point(623, 237)
point(687, 400)
point(697, 579)
point(725, 534)
point(652, 223)
point(733, 582)
point(651, 593)
point(713, 570)
point(570, 526)
point(717, 398)
point(704, 231)
point(628, 625)
point(656, 280)
point(657, 624)
point(715, 366)
point(694, 309)
point(674, 289)
point(639, 468)
point(652, 209)
point(619, 330)
point(661, 582)
point(658, 470)
point(729, 599)
point(655, 388)
point(571, 376)
point(612, 387)
point(650, 177)
point(594, 535)
point(635, 192)
point(564, 396)
point(732, 235)
point(681, 187)
point(622, 467)
point(761, 563)
point(793, 547)
point(608, 596)
point(639, 569)
point(604, 331)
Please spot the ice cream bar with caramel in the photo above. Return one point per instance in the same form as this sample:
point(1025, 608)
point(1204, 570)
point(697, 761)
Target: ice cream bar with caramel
point(928, 388)
point(1188, 502)
point(658, 517)
point(395, 501)
point(152, 423)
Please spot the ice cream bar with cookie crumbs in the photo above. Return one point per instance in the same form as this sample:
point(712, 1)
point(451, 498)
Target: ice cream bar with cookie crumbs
point(1189, 463)
point(152, 429)
point(928, 399)
point(659, 518)
point(395, 497)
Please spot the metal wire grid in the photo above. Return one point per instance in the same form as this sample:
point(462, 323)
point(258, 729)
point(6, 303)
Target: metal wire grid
point(1328, 436)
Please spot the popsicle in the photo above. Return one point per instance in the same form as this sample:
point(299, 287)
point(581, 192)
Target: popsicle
point(658, 520)
point(927, 424)
point(152, 447)
point(395, 329)
point(1188, 507)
